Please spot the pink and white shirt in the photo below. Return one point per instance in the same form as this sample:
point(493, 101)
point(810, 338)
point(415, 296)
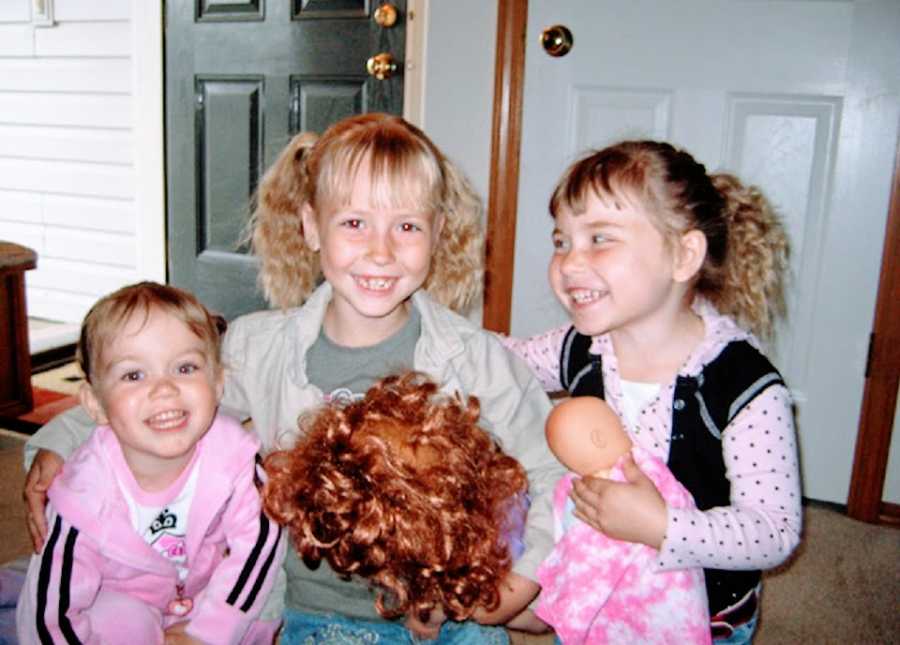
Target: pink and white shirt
point(761, 526)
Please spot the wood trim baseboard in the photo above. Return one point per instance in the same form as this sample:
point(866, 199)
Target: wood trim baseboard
point(506, 136)
point(890, 514)
point(876, 423)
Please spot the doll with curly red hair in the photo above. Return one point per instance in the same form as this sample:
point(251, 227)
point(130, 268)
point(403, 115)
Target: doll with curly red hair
point(404, 489)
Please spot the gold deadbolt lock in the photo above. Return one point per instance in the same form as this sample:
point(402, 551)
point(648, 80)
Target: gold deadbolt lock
point(557, 40)
point(385, 15)
point(381, 66)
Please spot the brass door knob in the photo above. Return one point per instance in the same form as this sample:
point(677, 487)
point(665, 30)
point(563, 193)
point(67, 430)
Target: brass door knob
point(381, 66)
point(386, 15)
point(557, 40)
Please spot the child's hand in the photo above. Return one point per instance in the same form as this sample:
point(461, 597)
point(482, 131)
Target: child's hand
point(515, 593)
point(175, 635)
point(632, 511)
point(527, 621)
point(427, 631)
point(44, 469)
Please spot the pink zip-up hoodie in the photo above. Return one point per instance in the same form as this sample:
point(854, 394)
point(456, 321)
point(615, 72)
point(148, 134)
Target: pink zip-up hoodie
point(96, 571)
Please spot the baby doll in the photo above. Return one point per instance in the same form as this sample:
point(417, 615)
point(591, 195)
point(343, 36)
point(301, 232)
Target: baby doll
point(404, 489)
point(598, 590)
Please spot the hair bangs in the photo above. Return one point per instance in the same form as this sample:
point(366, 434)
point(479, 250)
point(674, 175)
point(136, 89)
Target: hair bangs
point(403, 172)
point(111, 313)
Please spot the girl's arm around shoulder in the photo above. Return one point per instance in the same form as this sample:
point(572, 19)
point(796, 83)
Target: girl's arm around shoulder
point(541, 353)
point(762, 525)
point(242, 582)
point(67, 570)
point(514, 408)
point(62, 434)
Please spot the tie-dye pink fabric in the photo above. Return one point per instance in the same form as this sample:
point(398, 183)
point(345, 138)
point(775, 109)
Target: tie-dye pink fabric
point(599, 590)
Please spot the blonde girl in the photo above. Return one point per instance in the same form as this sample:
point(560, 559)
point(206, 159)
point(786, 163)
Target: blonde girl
point(666, 272)
point(367, 236)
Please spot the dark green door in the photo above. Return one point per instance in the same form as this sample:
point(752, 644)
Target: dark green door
point(241, 77)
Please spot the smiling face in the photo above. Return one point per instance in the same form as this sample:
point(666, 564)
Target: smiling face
point(612, 268)
point(157, 387)
point(375, 256)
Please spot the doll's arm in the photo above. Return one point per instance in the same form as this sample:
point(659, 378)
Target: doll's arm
point(761, 526)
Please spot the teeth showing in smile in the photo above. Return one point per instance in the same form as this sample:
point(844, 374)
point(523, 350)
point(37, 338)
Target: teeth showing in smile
point(584, 296)
point(167, 419)
point(376, 284)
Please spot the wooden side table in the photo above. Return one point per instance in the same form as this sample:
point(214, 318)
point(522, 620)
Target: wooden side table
point(15, 357)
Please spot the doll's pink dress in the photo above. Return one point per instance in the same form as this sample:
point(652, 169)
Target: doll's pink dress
point(599, 590)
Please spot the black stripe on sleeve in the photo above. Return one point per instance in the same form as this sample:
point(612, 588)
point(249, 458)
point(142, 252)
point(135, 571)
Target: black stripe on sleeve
point(44, 582)
point(65, 584)
point(251, 560)
point(263, 572)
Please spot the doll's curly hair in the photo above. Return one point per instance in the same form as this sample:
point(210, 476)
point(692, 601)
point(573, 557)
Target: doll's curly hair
point(404, 489)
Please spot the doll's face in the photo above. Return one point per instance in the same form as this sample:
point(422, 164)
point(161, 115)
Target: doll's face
point(585, 435)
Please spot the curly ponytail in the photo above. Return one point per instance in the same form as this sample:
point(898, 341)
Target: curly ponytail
point(751, 286)
point(289, 268)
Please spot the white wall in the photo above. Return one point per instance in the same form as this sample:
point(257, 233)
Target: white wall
point(67, 152)
point(459, 83)
point(458, 97)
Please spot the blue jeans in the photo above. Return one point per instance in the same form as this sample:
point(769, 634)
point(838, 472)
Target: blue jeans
point(742, 634)
point(301, 628)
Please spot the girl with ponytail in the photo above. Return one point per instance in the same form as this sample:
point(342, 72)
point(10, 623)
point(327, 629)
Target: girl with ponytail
point(670, 275)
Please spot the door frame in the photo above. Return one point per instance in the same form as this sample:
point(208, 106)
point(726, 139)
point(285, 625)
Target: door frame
point(880, 394)
point(148, 125)
point(873, 441)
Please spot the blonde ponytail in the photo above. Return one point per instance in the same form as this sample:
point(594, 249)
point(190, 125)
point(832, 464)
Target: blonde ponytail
point(755, 266)
point(288, 267)
point(458, 263)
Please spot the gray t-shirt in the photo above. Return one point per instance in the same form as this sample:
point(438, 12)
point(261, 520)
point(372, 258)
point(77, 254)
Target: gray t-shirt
point(345, 373)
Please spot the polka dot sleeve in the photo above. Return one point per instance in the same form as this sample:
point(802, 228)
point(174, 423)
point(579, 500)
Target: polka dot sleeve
point(541, 352)
point(762, 525)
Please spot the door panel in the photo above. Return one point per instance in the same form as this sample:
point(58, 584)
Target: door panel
point(798, 97)
point(241, 79)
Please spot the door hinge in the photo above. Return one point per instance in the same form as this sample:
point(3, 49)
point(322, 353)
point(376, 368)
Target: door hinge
point(869, 354)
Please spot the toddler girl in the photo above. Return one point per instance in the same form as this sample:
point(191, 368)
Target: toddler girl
point(375, 209)
point(150, 505)
point(663, 268)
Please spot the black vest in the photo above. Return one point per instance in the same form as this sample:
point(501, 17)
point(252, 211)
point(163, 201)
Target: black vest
point(702, 408)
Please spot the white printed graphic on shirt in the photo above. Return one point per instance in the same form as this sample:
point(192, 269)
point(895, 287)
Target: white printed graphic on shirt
point(165, 527)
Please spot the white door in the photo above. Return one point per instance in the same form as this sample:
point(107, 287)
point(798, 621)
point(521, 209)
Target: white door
point(799, 97)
